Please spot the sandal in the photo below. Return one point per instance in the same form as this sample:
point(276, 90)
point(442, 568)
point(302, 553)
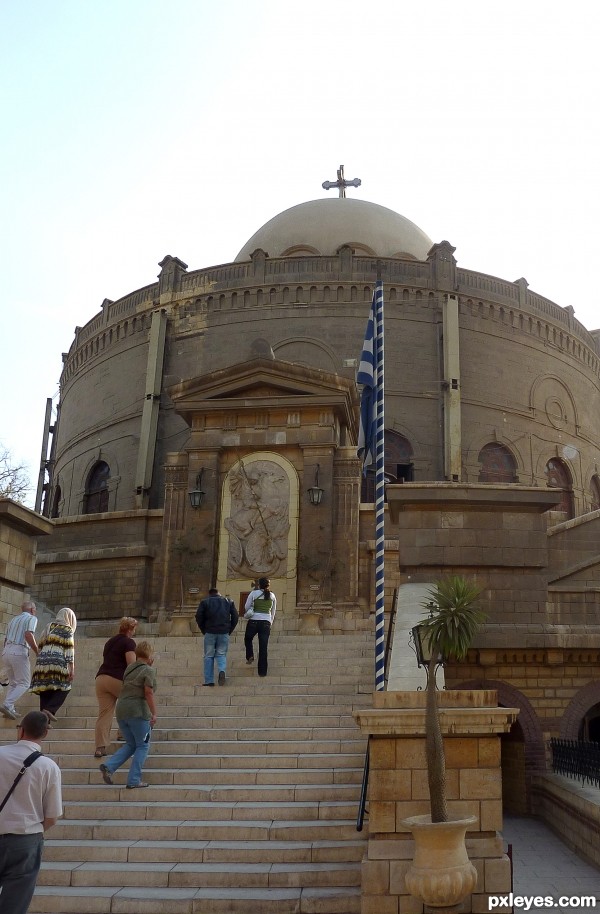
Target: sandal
point(100, 751)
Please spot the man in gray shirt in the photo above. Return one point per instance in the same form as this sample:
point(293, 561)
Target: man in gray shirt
point(15, 656)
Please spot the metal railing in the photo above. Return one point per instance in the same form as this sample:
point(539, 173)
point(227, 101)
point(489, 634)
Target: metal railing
point(576, 759)
point(362, 804)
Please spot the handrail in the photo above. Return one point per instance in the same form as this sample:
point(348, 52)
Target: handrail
point(362, 803)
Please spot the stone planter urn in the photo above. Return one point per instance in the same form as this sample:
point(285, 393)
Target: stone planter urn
point(441, 874)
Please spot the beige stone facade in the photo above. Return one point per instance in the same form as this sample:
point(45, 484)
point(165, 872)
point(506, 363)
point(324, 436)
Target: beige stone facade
point(238, 381)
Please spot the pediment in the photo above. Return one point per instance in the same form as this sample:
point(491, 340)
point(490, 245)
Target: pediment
point(264, 382)
point(260, 378)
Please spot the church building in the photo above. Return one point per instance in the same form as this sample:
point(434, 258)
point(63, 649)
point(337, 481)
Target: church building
point(207, 431)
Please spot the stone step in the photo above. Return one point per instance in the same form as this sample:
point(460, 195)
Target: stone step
point(248, 732)
point(177, 647)
point(136, 851)
point(83, 698)
point(273, 777)
point(185, 875)
point(232, 792)
point(254, 788)
point(313, 661)
point(118, 900)
point(207, 830)
point(76, 709)
point(120, 805)
point(228, 717)
point(242, 746)
point(200, 760)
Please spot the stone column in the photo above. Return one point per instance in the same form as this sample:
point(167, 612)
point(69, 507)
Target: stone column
point(471, 724)
point(346, 501)
point(451, 390)
point(316, 550)
point(173, 526)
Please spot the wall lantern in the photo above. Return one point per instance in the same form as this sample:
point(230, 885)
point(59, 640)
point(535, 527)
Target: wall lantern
point(315, 493)
point(197, 495)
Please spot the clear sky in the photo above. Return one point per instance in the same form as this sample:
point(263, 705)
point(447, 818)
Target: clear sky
point(138, 128)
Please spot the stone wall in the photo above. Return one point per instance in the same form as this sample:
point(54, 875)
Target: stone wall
point(19, 529)
point(495, 533)
point(572, 811)
point(103, 566)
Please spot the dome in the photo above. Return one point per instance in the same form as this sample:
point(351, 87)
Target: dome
point(323, 226)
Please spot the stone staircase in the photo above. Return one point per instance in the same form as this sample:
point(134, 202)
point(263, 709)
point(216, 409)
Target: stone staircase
point(254, 787)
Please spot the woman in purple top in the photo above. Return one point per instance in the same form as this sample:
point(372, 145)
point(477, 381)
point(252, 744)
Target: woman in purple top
point(119, 652)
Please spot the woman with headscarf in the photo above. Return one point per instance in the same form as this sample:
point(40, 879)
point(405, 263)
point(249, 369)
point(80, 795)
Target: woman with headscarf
point(55, 665)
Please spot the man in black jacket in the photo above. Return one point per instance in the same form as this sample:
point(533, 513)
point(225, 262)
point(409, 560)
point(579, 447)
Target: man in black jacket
point(216, 617)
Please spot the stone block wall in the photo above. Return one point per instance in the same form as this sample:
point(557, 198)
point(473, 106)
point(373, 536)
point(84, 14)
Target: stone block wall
point(102, 567)
point(495, 533)
point(471, 722)
point(19, 529)
point(547, 681)
point(571, 811)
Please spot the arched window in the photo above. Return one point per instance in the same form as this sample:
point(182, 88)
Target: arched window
point(497, 464)
point(96, 490)
point(559, 477)
point(595, 492)
point(398, 466)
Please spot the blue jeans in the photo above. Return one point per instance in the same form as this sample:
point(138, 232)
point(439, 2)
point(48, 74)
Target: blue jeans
point(136, 732)
point(20, 859)
point(215, 648)
point(262, 628)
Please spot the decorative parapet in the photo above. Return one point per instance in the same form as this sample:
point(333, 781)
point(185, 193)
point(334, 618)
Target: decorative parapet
point(276, 281)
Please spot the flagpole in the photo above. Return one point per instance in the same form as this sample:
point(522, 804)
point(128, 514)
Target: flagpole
point(379, 489)
point(371, 437)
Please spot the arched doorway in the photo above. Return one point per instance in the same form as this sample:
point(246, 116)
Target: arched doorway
point(514, 781)
point(589, 729)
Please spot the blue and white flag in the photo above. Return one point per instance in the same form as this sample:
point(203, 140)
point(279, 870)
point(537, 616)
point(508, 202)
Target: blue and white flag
point(367, 376)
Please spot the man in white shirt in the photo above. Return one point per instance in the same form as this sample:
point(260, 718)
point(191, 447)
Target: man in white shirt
point(15, 656)
point(32, 808)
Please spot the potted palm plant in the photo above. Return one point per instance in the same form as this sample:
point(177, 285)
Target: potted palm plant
point(441, 874)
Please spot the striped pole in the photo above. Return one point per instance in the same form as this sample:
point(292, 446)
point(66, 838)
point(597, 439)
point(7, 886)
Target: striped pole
point(379, 493)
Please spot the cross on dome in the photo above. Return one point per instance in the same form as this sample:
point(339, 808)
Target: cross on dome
point(341, 182)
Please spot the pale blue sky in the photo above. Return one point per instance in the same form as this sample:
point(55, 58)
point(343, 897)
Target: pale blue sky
point(136, 128)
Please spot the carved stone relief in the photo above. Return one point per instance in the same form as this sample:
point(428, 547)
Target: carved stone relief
point(258, 523)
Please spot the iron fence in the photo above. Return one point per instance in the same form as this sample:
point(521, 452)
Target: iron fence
point(576, 759)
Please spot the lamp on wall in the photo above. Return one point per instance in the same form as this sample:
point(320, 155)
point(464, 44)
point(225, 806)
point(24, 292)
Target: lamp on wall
point(419, 642)
point(315, 493)
point(197, 495)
